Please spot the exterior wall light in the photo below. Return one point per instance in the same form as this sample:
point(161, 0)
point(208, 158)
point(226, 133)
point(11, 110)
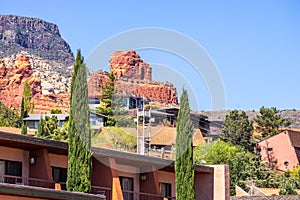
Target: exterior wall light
point(32, 160)
point(143, 177)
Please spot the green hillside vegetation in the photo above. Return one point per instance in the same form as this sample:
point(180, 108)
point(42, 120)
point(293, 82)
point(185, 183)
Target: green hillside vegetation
point(115, 137)
point(8, 116)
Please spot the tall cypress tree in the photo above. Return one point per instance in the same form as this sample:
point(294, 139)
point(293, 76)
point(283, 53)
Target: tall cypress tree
point(80, 157)
point(184, 154)
point(24, 128)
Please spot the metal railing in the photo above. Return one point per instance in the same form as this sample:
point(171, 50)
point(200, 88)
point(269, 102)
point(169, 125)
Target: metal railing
point(26, 181)
point(131, 195)
point(106, 191)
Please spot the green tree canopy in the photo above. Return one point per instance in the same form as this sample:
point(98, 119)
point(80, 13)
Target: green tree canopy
point(237, 130)
point(118, 138)
point(244, 166)
point(48, 128)
point(288, 185)
point(8, 116)
point(120, 112)
point(269, 121)
point(184, 168)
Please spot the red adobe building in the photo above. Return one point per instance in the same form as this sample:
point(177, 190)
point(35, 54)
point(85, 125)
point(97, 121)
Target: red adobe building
point(281, 150)
point(36, 168)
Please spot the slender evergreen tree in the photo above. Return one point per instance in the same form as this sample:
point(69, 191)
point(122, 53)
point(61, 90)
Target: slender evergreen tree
point(40, 130)
point(24, 128)
point(237, 130)
point(184, 168)
point(28, 104)
point(80, 158)
point(107, 95)
point(22, 109)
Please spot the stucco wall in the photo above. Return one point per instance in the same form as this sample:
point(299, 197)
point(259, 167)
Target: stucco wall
point(19, 155)
point(101, 174)
point(9, 197)
point(282, 151)
point(167, 177)
point(130, 172)
point(58, 160)
point(204, 187)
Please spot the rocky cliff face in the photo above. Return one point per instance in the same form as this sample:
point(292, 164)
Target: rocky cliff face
point(33, 50)
point(35, 36)
point(128, 64)
point(12, 80)
point(134, 77)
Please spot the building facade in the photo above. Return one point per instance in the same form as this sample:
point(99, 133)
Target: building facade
point(27, 161)
point(281, 151)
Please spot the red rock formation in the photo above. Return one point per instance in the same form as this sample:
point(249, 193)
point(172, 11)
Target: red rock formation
point(133, 76)
point(44, 103)
point(160, 92)
point(128, 64)
point(12, 83)
point(95, 82)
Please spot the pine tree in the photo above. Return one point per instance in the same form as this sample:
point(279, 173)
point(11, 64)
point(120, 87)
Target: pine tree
point(269, 121)
point(79, 158)
point(184, 153)
point(237, 130)
point(107, 95)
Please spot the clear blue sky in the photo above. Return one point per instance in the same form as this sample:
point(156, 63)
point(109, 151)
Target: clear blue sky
point(254, 44)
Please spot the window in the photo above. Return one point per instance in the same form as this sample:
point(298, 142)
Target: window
point(100, 119)
point(36, 124)
point(270, 149)
point(11, 169)
point(94, 101)
point(59, 174)
point(165, 189)
point(92, 122)
point(61, 123)
point(127, 185)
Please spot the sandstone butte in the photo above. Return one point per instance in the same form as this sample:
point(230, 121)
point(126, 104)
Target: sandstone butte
point(12, 80)
point(133, 77)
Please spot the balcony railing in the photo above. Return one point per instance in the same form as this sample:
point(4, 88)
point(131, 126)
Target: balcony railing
point(26, 181)
point(103, 191)
point(131, 195)
point(106, 191)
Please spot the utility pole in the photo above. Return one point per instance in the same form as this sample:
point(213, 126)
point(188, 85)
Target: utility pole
point(149, 135)
point(143, 139)
point(137, 126)
point(140, 137)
